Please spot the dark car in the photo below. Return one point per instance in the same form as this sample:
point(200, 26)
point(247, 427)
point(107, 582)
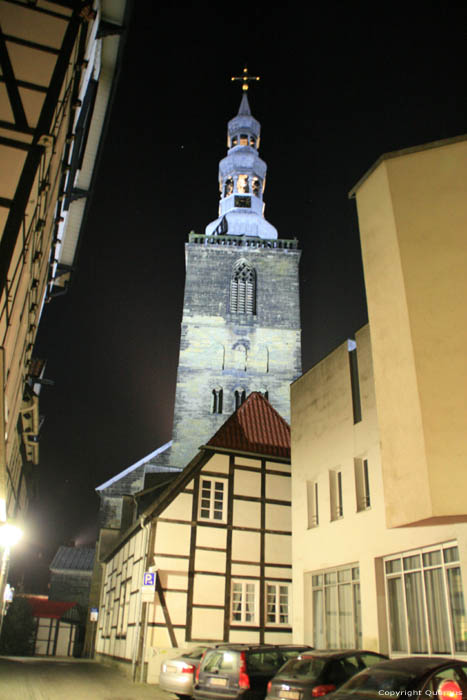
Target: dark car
point(317, 673)
point(241, 670)
point(177, 674)
point(412, 677)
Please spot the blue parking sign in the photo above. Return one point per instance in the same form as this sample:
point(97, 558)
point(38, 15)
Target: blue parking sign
point(149, 579)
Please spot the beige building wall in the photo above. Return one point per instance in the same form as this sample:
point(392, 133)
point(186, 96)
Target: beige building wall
point(412, 211)
point(326, 440)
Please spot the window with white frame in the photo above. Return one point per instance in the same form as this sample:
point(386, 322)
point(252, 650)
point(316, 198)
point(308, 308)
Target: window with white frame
point(277, 603)
point(335, 492)
point(312, 503)
point(213, 499)
point(337, 608)
point(362, 484)
point(425, 601)
point(245, 602)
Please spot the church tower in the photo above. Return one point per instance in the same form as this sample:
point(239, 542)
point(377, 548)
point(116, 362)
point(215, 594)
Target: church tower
point(241, 317)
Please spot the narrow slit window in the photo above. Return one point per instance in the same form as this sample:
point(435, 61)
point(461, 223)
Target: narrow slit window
point(336, 495)
point(354, 381)
point(240, 396)
point(362, 484)
point(217, 396)
point(312, 498)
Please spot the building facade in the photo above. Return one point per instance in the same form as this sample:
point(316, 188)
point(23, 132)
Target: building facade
point(58, 65)
point(379, 452)
point(218, 539)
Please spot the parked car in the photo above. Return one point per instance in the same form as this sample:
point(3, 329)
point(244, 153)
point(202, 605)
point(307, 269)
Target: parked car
point(422, 677)
point(177, 675)
point(234, 671)
point(317, 673)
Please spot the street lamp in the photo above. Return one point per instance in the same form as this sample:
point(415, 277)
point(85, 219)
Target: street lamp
point(9, 536)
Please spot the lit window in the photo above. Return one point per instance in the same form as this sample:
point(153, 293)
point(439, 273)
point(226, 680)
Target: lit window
point(228, 186)
point(243, 139)
point(256, 186)
point(335, 489)
point(337, 608)
point(426, 602)
point(252, 141)
point(242, 184)
point(362, 484)
point(212, 504)
point(243, 289)
point(244, 602)
point(277, 603)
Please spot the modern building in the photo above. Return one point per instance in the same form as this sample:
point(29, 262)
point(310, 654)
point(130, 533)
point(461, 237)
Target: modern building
point(379, 522)
point(218, 539)
point(59, 61)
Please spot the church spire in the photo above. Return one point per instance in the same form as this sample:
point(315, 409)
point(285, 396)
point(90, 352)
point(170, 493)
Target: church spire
point(242, 175)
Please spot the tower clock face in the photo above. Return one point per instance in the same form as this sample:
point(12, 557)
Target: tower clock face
point(244, 202)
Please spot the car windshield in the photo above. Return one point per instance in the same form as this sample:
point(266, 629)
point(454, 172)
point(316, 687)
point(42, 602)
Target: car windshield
point(308, 668)
point(376, 683)
point(195, 653)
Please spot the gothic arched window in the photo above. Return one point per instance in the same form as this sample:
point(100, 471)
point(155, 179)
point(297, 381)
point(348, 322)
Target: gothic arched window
point(240, 396)
point(217, 396)
point(243, 289)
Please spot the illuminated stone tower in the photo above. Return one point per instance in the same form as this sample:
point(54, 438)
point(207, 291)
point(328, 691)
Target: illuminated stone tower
point(241, 317)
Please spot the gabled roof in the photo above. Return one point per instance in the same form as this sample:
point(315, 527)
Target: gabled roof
point(254, 427)
point(73, 559)
point(43, 607)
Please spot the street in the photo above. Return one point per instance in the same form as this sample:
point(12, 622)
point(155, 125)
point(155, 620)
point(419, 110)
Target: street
point(69, 679)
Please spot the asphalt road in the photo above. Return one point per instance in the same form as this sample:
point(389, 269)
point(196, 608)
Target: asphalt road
point(69, 679)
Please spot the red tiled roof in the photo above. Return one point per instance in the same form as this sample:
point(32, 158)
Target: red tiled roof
point(43, 607)
point(255, 427)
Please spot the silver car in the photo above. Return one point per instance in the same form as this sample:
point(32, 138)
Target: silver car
point(177, 675)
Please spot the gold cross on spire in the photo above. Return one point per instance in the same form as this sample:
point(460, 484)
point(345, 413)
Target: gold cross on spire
point(245, 78)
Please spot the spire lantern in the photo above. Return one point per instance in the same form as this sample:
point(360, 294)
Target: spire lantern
point(242, 175)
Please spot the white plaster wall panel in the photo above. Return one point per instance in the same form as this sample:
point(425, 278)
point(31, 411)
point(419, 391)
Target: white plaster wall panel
point(208, 590)
point(278, 572)
point(210, 561)
point(278, 487)
point(175, 580)
point(279, 467)
point(171, 564)
point(159, 637)
point(180, 508)
point(245, 570)
point(176, 605)
point(239, 636)
point(211, 536)
point(172, 538)
point(217, 463)
point(133, 607)
point(246, 513)
point(278, 637)
point(247, 483)
point(208, 624)
point(131, 546)
point(190, 485)
point(278, 549)
point(278, 517)
point(245, 546)
point(246, 462)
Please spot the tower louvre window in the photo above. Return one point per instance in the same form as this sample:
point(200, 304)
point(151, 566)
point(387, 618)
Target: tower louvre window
point(243, 289)
point(240, 396)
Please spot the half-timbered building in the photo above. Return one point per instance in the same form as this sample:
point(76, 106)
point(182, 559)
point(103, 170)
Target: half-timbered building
point(218, 538)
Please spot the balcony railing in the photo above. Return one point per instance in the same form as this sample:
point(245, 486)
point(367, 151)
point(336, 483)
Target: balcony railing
point(243, 241)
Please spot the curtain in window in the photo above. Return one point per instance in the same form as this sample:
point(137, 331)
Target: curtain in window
point(396, 615)
point(437, 612)
point(456, 604)
point(415, 613)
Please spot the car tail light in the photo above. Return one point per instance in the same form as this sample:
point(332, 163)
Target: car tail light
point(324, 689)
point(243, 679)
point(269, 687)
point(199, 667)
point(449, 689)
point(186, 668)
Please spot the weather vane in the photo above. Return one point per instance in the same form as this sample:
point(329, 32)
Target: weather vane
point(245, 78)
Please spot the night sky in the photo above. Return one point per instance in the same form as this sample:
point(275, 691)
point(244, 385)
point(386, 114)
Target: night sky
point(338, 88)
